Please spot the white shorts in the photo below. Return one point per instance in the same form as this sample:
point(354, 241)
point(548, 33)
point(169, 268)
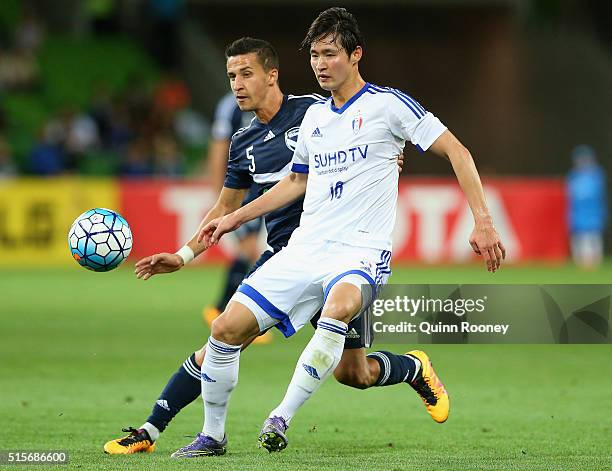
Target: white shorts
point(291, 287)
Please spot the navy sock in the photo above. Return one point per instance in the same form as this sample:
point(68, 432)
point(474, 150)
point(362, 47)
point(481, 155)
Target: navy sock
point(235, 275)
point(394, 368)
point(182, 389)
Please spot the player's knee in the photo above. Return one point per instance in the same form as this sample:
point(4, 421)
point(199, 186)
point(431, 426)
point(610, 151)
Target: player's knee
point(353, 377)
point(223, 330)
point(340, 309)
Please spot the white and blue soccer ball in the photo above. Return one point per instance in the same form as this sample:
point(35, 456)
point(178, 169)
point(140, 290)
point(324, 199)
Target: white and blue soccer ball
point(100, 239)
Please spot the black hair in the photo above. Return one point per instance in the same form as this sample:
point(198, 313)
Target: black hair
point(266, 54)
point(338, 23)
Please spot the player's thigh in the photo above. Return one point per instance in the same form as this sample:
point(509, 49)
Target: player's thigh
point(362, 267)
point(356, 274)
point(236, 325)
point(347, 294)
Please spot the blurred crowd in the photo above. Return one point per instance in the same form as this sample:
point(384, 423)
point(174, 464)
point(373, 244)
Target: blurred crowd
point(137, 132)
point(18, 72)
point(18, 65)
point(140, 130)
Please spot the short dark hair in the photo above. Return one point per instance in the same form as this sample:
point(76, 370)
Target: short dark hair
point(266, 54)
point(338, 23)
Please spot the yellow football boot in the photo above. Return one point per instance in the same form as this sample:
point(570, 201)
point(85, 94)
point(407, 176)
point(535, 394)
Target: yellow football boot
point(430, 388)
point(138, 441)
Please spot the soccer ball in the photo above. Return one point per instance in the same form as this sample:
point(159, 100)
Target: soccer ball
point(100, 239)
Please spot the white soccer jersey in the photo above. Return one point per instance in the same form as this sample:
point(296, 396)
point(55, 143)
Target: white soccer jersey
point(350, 155)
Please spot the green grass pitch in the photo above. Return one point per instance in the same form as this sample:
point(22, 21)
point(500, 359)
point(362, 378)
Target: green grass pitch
point(83, 354)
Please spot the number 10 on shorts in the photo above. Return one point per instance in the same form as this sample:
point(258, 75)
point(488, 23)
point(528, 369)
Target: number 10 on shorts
point(336, 190)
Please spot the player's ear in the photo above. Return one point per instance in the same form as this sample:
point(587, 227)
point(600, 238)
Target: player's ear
point(356, 55)
point(272, 77)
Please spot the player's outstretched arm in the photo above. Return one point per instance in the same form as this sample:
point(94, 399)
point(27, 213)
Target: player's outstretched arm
point(484, 240)
point(229, 200)
point(287, 190)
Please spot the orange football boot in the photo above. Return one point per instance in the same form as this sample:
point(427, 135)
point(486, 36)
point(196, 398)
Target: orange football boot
point(138, 441)
point(430, 388)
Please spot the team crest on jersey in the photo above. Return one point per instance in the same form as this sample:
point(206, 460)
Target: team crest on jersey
point(291, 136)
point(357, 122)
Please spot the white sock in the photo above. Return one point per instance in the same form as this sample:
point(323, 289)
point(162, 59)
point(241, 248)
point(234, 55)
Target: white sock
point(219, 378)
point(318, 360)
point(152, 430)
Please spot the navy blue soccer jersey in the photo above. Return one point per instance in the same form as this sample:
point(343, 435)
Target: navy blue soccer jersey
point(260, 155)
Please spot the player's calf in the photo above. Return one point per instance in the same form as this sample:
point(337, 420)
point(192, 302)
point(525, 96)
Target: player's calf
point(354, 377)
point(356, 370)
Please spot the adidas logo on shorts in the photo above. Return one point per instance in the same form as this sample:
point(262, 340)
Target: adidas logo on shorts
point(352, 334)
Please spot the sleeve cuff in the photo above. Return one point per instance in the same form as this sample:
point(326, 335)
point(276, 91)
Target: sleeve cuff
point(299, 168)
point(428, 130)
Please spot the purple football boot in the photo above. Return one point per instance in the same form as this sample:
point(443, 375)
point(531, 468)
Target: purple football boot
point(203, 445)
point(272, 436)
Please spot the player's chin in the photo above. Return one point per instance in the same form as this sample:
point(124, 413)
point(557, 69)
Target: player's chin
point(245, 105)
point(326, 85)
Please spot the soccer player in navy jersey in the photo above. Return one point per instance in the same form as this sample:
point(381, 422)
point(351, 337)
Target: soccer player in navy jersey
point(229, 118)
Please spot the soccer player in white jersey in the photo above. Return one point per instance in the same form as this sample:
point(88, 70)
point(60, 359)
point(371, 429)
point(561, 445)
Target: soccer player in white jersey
point(252, 67)
point(344, 164)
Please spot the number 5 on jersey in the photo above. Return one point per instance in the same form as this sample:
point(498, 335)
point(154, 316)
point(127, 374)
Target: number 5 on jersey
point(251, 157)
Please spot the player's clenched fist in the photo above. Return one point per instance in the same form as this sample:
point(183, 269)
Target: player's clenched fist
point(485, 241)
point(158, 263)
